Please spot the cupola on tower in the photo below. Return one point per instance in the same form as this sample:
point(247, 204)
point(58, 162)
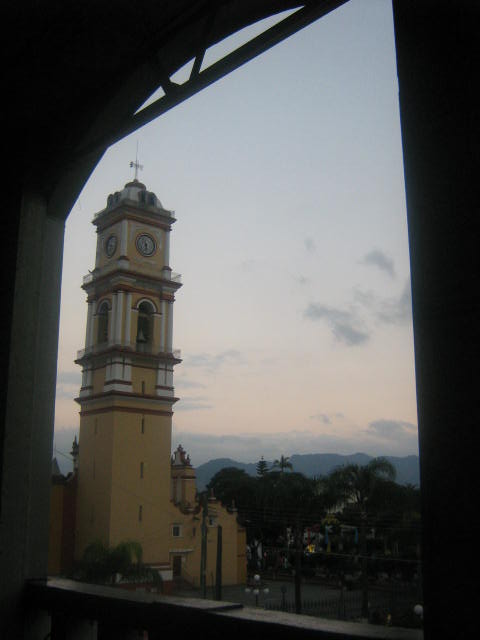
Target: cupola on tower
point(127, 389)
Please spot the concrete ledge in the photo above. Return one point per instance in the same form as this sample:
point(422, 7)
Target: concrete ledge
point(58, 594)
point(301, 626)
point(117, 608)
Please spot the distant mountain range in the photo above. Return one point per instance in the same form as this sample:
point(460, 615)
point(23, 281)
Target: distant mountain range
point(314, 464)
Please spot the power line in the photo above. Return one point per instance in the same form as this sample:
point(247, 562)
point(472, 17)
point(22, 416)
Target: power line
point(61, 453)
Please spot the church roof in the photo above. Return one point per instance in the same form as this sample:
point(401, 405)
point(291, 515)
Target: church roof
point(134, 192)
point(180, 458)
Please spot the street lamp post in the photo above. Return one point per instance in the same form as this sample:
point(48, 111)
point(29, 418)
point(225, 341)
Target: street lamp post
point(418, 610)
point(256, 588)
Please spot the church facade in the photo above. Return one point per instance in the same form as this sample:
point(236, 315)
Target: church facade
point(128, 485)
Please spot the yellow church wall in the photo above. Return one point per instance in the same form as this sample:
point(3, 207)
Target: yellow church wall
point(189, 544)
point(185, 489)
point(146, 375)
point(189, 492)
point(98, 380)
point(233, 545)
point(241, 556)
point(230, 563)
point(94, 479)
point(130, 490)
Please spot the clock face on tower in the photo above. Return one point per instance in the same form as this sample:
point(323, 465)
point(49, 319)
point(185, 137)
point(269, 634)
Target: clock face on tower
point(145, 244)
point(110, 246)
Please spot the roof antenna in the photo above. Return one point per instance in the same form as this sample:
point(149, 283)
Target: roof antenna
point(136, 164)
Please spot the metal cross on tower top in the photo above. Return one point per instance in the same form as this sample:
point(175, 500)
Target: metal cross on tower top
point(137, 167)
point(136, 164)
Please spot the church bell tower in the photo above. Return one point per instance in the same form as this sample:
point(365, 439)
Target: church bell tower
point(127, 392)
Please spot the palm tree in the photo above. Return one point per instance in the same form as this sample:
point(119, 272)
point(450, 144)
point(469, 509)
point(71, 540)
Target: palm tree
point(355, 485)
point(101, 564)
point(282, 464)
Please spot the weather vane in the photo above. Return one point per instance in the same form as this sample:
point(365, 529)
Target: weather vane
point(136, 164)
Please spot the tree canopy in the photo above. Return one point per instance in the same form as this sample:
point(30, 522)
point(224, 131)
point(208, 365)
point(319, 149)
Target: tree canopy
point(353, 483)
point(102, 564)
point(283, 463)
point(262, 467)
point(269, 503)
point(276, 507)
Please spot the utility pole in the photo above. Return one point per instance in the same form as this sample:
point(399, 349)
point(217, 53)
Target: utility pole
point(218, 577)
point(203, 556)
point(298, 571)
point(363, 555)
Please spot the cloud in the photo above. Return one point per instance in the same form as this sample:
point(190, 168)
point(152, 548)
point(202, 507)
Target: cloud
point(391, 427)
point(68, 384)
point(245, 447)
point(251, 265)
point(322, 417)
point(346, 326)
point(213, 362)
point(377, 258)
point(69, 377)
point(367, 299)
point(193, 403)
point(310, 245)
point(404, 434)
point(183, 383)
point(394, 310)
point(248, 265)
point(66, 392)
point(301, 279)
point(326, 418)
point(204, 447)
point(270, 361)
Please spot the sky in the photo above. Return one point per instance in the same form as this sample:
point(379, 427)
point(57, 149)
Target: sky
point(294, 319)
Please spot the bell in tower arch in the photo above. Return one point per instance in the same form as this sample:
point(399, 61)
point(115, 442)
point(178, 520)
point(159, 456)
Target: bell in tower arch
point(144, 329)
